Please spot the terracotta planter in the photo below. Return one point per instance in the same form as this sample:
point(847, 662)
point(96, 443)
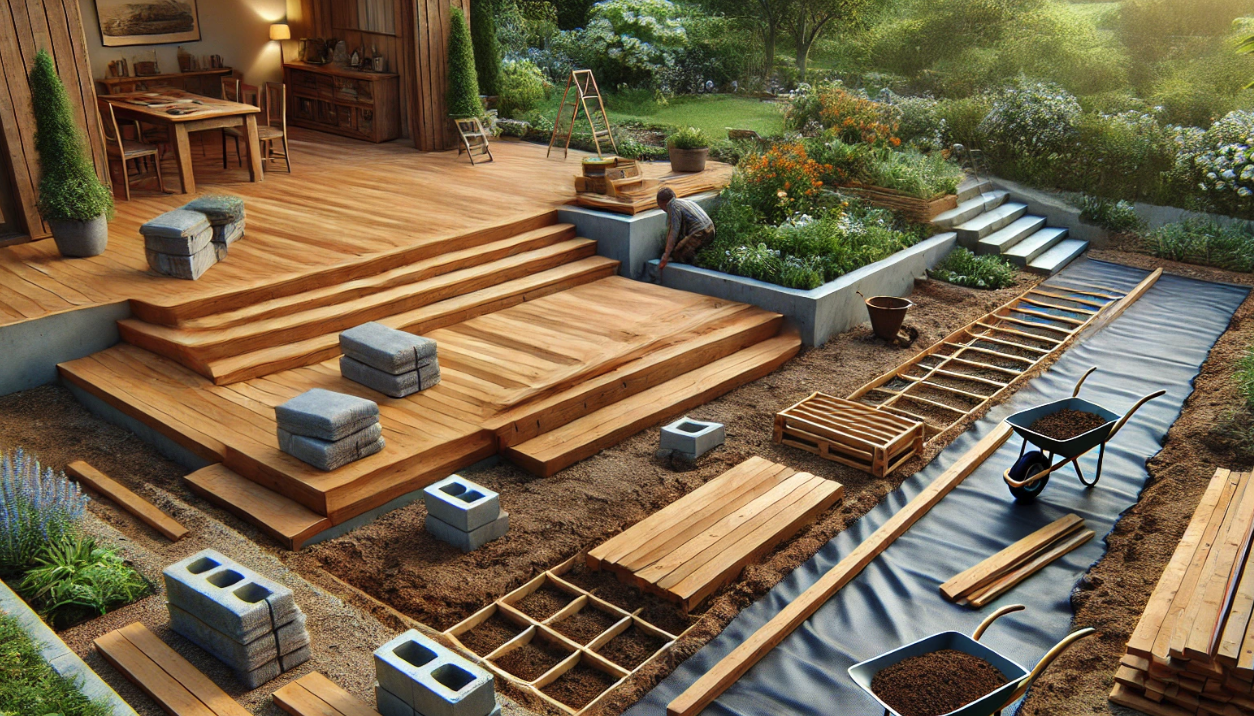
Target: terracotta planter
point(80, 239)
point(689, 160)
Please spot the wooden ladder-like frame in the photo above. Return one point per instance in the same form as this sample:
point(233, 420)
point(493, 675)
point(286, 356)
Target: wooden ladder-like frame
point(585, 86)
point(474, 139)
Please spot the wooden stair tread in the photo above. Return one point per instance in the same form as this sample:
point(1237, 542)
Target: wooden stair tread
point(315, 695)
point(285, 520)
point(128, 500)
point(588, 435)
point(159, 671)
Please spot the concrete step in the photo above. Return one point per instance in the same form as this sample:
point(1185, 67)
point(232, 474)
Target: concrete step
point(1000, 241)
point(972, 187)
point(970, 209)
point(1026, 251)
point(1055, 259)
point(990, 221)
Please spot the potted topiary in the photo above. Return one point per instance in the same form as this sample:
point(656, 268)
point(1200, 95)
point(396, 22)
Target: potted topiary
point(72, 199)
point(689, 149)
point(462, 92)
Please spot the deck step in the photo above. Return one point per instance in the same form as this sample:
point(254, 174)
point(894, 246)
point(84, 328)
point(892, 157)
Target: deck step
point(990, 221)
point(972, 187)
point(1056, 258)
point(1000, 241)
point(287, 521)
point(580, 439)
point(970, 209)
point(1026, 251)
point(197, 348)
point(258, 363)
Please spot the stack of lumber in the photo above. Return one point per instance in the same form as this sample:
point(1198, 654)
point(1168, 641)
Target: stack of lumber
point(635, 201)
point(998, 574)
point(695, 545)
point(1193, 650)
point(850, 433)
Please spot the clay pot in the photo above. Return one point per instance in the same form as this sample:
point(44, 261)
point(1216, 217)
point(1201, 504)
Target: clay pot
point(80, 239)
point(689, 160)
point(887, 315)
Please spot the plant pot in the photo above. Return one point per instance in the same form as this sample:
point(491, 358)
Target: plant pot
point(688, 160)
point(80, 239)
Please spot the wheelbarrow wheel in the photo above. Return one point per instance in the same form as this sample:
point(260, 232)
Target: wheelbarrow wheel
point(1028, 465)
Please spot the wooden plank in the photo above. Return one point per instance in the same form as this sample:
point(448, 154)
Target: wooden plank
point(330, 692)
point(1125, 696)
point(992, 568)
point(1203, 639)
point(1112, 312)
point(182, 670)
point(284, 519)
point(149, 676)
point(127, 500)
point(702, 692)
point(296, 700)
point(984, 596)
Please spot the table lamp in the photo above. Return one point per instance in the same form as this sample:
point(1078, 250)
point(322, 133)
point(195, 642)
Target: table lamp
point(279, 32)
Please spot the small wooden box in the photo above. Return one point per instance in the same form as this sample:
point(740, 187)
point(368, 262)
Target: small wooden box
point(850, 433)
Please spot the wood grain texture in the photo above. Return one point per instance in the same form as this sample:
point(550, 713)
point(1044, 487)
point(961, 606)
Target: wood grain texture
point(994, 567)
point(316, 695)
point(177, 686)
point(127, 500)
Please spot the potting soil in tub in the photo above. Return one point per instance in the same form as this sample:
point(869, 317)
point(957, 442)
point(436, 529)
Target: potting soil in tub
point(1067, 424)
point(936, 683)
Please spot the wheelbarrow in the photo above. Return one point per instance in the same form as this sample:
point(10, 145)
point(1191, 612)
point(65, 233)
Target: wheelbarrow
point(1018, 679)
point(1029, 475)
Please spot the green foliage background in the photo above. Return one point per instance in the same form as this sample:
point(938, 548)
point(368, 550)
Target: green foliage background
point(462, 92)
point(487, 47)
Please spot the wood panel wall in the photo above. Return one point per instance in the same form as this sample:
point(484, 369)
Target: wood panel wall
point(27, 26)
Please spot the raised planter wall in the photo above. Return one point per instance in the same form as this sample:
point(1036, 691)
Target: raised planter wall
point(828, 310)
point(632, 240)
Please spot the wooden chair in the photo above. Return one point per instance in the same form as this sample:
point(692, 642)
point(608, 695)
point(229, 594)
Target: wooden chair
point(271, 126)
point(127, 150)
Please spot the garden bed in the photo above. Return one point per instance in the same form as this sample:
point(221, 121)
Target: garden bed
point(919, 211)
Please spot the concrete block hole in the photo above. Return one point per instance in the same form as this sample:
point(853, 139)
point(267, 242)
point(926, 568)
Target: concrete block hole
point(414, 653)
point(691, 427)
point(202, 565)
point(225, 578)
point(453, 488)
point(252, 593)
point(453, 677)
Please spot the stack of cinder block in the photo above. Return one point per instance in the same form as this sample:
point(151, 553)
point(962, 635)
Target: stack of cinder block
point(250, 623)
point(418, 677)
point(225, 215)
point(392, 362)
point(180, 243)
point(464, 514)
point(329, 430)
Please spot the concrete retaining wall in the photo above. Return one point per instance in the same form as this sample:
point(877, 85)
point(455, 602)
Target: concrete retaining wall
point(828, 310)
point(632, 240)
point(31, 350)
point(58, 655)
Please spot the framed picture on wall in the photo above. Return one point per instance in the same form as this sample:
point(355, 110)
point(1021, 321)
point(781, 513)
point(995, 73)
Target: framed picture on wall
point(147, 22)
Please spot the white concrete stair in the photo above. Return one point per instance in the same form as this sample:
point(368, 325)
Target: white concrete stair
point(1026, 251)
point(1000, 241)
point(1058, 256)
point(969, 209)
point(972, 187)
point(990, 221)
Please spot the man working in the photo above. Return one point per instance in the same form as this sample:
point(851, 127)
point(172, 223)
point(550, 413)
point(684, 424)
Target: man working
point(687, 223)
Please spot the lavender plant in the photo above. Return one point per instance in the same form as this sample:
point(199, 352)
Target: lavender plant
point(37, 507)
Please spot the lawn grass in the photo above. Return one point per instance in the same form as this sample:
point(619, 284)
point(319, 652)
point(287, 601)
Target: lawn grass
point(713, 114)
point(28, 685)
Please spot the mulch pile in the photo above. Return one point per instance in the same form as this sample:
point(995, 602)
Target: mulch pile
point(544, 602)
point(486, 637)
point(1067, 424)
point(631, 648)
point(579, 686)
point(936, 683)
point(585, 625)
point(531, 660)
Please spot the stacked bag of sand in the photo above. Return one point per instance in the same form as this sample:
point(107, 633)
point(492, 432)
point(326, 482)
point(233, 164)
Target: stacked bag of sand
point(329, 430)
point(392, 362)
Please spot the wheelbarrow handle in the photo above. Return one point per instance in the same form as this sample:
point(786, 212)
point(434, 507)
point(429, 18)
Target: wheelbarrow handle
point(1046, 660)
point(988, 621)
point(1083, 378)
point(1133, 409)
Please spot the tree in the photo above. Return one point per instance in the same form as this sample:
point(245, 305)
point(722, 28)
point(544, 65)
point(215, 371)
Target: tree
point(69, 189)
point(773, 14)
point(462, 93)
point(811, 18)
point(487, 46)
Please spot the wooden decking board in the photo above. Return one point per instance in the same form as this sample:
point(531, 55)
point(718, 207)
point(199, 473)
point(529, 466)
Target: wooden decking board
point(177, 686)
point(316, 695)
point(286, 520)
point(987, 570)
point(129, 501)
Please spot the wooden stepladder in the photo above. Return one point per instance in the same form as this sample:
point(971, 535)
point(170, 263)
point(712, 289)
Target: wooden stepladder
point(474, 139)
point(585, 89)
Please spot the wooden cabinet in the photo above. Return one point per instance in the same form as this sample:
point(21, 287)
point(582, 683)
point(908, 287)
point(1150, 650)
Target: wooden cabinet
point(202, 82)
point(362, 105)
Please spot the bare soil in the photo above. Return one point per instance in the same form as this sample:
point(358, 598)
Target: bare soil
point(585, 625)
point(936, 683)
point(491, 634)
point(579, 686)
point(1067, 424)
point(544, 602)
point(532, 660)
point(631, 648)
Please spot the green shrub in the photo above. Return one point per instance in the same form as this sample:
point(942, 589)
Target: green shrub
point(963, 117)
point(1125, 155)
point(487, 45)
point(69, 189)
point(462, 93)
point(1245, 376)
point(37, 506)
point(1199, 241)
point(628, 42)
point(842, 162)
point(963, 268)
point(923, 176)
point(521, 89)
point(688, 138)
point(29, 686)
point(74, 580)
point(1119, 216)
point(1206, 86)
point(1031, 119)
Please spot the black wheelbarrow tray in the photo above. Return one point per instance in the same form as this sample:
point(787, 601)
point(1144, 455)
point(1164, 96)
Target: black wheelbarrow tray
point(1029, 475)
point(1018, 679)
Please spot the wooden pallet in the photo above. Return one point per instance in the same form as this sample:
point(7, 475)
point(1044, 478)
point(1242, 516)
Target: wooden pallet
point(687, 550)
point(1192, 651)
point(975, 366)
point(315, 695)
point(850, 433)
point(159, 671)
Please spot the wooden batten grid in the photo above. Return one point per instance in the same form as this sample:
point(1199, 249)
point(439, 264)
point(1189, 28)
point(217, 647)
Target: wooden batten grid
point(849, 433)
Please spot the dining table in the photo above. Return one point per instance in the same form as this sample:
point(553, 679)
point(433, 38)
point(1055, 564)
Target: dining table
point(182, 113)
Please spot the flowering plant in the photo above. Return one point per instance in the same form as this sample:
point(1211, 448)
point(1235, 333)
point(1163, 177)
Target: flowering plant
point(1223, 162)
point(848, 116)
point(780, 182)
point(37, 507)
point(1032, 118)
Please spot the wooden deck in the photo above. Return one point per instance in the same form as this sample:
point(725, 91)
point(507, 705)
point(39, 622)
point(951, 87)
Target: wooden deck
point(345, 201)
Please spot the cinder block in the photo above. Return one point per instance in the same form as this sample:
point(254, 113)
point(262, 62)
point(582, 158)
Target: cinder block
point(188, 268)
point(397, 386)
point(389, 704)
point(461, 503)
point(431, 679)
point(693, 438)
point(238, 655)
point(468, 541)
point(271, 670)
point(228, 597)
point(330, 455)
point(326, 415)
point(386, 349)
